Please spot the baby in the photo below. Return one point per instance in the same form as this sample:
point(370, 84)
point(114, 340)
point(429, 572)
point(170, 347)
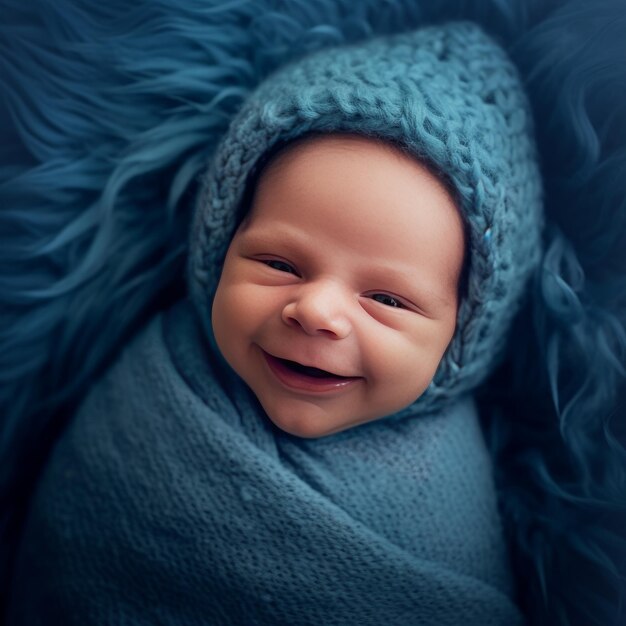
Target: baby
point(334, 311)
point(297, 442)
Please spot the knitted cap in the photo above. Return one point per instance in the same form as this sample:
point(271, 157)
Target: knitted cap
point(448, 94)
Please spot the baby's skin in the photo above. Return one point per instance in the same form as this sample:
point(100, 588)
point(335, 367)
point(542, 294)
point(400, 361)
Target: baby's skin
point(339, 292)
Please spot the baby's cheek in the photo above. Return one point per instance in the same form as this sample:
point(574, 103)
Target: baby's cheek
point(397, 349)
point(231, 298)
point(409, 364)
point(229, 312)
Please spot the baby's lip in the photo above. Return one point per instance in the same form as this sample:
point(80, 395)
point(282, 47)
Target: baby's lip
point(317, 365)
point(301, 379)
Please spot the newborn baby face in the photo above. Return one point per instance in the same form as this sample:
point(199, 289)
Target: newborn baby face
point(339, 292)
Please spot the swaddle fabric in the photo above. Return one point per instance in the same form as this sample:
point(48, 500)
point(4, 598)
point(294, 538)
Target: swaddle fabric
point(173, 500)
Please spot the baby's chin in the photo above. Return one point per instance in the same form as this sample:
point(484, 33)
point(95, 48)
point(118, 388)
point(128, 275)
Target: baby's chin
point(315, 422)
point(308, 430)
point(305, 420)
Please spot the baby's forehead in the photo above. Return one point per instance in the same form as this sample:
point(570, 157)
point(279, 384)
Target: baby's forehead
point(346, 144)
point(360, 198)
point(342, 148)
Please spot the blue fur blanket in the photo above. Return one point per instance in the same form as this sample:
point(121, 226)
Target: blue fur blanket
point(172, 499)
point(109, 112)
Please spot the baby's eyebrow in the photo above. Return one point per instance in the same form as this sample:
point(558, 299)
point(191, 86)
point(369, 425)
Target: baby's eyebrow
point(252, 235)
point(403, 278)
point(281, 235)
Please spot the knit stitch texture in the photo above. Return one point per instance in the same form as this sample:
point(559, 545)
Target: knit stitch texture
point(447, 94)
point(172, 500)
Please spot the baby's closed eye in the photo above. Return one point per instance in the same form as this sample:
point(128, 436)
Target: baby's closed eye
point(388, 300)
point(281, 266)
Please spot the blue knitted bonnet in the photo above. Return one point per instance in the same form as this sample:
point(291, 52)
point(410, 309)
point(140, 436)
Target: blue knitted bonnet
point(447, 94)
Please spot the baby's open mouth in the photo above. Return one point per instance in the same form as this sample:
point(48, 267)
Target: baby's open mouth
point(309, 371)
point(306, 378)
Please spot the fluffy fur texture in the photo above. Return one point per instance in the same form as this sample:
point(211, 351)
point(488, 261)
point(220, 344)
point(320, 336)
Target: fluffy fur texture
point(109, 113)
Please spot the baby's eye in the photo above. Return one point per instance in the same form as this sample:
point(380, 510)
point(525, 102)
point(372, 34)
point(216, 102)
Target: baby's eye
point(388, 300)
point(281, 266)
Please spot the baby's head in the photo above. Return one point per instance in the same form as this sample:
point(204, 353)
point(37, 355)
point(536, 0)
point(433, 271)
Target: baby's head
point(339, 292)
point(381, 253)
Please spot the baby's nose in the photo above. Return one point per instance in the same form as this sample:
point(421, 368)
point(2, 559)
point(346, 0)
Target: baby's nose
point(319, 308)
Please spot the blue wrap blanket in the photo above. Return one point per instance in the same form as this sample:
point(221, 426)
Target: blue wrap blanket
point(171, 499)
